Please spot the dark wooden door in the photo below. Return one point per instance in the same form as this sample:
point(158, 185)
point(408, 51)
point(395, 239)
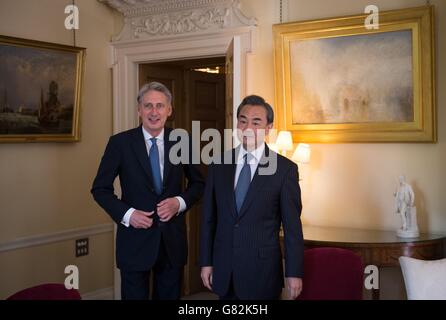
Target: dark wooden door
point(205, 98)
point(197, 96)
point(172, 78)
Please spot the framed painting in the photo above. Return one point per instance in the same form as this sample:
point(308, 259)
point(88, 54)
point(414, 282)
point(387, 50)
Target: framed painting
point(40, 91)
point(337, 81)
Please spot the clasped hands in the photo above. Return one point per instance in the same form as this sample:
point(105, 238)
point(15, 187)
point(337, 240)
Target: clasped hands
point(166, 209)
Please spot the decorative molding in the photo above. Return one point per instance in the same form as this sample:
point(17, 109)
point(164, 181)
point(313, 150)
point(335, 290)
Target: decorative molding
point(135, 8)
point(158, 18)
point(181, 22)
point(101, 294)
point(42, 239)
point(127, 52)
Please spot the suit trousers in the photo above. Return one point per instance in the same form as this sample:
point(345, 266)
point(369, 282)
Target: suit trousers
point(135, 285)
point(231, 295)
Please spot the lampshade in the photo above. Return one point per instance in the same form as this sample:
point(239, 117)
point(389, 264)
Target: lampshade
point(273, 147)
point(302, 153)
point(284, 141)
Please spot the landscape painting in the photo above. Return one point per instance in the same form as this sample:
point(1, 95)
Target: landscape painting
point(40, 86)
point(355, 79)
point(338, 79)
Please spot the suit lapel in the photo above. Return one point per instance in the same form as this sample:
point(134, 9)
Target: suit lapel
point(256, 185)
point(140, 149)
point(229, 176)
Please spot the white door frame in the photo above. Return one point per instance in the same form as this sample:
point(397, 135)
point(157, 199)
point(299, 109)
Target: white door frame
point(127, 55)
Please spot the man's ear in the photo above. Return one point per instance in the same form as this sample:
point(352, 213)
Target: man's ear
point(170, 111)
point(268, 127)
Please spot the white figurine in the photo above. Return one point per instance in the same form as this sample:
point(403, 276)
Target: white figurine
point(404, 206)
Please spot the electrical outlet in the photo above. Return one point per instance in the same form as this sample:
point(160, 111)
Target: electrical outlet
point(81, 247)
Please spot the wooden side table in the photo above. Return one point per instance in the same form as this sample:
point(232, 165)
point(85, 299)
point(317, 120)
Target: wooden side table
point(380, 248)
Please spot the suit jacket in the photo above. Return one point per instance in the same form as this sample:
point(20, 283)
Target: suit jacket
point(126, 156)
point(246, 246)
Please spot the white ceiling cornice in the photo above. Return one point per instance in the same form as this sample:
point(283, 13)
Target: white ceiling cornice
point(133, 8)
point(160, 18)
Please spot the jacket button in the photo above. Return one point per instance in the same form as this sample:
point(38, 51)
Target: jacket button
point(236, 225)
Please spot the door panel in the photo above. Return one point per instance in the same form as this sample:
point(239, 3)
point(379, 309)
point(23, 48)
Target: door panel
point(198, 96)
point(233, 81)
point(205, 96)
point(172, 78)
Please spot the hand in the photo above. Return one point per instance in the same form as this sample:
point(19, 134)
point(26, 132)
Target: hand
point(141, 219)
point(168, 208)
point(206, 277)
point(294, 287)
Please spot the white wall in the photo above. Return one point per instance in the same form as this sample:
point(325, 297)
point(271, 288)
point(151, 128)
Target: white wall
point(352, 185)
point(45, 187)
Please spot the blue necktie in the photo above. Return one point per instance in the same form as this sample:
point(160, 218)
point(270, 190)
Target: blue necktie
point(244, 180)
point(155, 164)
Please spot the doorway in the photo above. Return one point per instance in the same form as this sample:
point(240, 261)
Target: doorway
point(198, 87)
point(126, 56)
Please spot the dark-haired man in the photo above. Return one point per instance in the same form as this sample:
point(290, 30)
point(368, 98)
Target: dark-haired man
point(244, 207)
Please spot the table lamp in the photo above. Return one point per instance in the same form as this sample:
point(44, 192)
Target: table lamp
point(302, 153)
point(284, 142)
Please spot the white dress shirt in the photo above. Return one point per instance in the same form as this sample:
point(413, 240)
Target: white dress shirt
point(160, 143)
point(253, 162)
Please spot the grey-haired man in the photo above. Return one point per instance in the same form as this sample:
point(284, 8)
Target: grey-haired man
point(151, 235)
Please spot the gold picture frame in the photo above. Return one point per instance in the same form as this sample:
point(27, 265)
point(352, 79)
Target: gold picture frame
point(40, 91)
point(337, 81)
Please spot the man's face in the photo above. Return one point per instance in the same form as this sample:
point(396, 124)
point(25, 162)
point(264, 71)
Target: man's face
point(253, 126)
point(154, 111)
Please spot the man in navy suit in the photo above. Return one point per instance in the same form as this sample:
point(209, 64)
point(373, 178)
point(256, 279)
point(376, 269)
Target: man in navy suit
point(244, 206)
point(151, 233)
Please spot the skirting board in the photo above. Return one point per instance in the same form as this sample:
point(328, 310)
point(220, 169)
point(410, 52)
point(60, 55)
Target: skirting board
point(101, 294)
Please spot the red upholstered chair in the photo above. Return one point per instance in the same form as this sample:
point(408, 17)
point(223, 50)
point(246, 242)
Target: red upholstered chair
point(47, 291)
point(332, 274)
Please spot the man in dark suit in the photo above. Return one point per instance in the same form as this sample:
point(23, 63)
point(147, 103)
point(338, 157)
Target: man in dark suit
point(151, 233)
point(244, 206)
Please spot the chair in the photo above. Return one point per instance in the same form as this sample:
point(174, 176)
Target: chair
point(424, 280)
point(332, 274)
point(47, 291)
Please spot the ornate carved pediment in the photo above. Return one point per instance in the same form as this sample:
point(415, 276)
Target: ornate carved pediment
point(156, 18)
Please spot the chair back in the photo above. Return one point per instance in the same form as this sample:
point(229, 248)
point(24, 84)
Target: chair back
point(332, 274)
point(47, 291)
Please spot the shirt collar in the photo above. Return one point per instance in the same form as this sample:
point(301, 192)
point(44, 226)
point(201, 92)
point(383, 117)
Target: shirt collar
point(148, 136)
point(257, 153)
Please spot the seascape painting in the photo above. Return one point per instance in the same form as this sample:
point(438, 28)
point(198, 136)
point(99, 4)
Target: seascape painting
point(364, 78)
point(39, 90)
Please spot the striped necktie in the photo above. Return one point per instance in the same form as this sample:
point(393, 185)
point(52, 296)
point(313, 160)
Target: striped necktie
point(244, 180)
